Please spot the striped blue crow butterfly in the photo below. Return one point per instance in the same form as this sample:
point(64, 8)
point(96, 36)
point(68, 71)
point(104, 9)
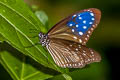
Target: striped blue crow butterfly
point(66, 41)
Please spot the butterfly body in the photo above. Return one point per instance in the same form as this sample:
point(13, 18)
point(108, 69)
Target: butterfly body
point(66, 40)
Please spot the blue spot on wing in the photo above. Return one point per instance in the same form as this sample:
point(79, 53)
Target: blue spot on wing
point(82, 21)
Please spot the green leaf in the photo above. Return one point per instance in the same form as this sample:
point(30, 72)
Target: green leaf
point(19, 66)
point(42, 16)
point(16, 21)
point(67, 77)
point(61, 77)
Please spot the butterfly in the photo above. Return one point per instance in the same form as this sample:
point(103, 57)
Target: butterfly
point(66, 41)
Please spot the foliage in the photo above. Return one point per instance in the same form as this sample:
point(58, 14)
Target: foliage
point(16, 22)
point(19, 56)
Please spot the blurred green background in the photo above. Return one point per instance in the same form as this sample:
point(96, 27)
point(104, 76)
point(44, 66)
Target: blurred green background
point(105, 39)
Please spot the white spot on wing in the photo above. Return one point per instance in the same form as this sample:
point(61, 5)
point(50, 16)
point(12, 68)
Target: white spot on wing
point(77, 25)
point(85, 38)
point(75, 37)
point(89, 32)
point(84, 21)
point(73, 30)
point(93, 18)
point(74, 15)
point(75, 64)
point(84, 27)
point(81, 33)
point(94, 26)
point(88, 10)
point(90, 22)
point(80, 17)
point(76, 49)
point(70, 45)
point(70, 24)
point(84, 54)
point(80, 40)
point(92, 29)
point(91, 14)
point(88, 36)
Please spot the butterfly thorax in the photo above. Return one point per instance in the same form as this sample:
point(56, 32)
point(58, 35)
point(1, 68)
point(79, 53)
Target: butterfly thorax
point(43, 39)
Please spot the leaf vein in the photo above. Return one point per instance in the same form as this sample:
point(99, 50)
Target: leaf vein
point(33, 74)
point(18, 13)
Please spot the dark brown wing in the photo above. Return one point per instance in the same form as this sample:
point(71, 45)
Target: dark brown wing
point(62, 31)
point(71, 54)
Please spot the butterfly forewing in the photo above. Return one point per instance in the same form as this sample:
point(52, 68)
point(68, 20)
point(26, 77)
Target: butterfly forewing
point(78, 27)
point(71, 54)
point(66, 40)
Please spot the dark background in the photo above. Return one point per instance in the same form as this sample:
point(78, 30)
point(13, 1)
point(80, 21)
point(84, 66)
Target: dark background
point(105, 39)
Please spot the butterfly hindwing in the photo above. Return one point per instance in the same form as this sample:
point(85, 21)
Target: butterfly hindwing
point(78, 27)
point(71, 54)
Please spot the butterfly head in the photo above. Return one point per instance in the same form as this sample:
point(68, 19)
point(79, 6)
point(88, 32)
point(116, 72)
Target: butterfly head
point(43, 39)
